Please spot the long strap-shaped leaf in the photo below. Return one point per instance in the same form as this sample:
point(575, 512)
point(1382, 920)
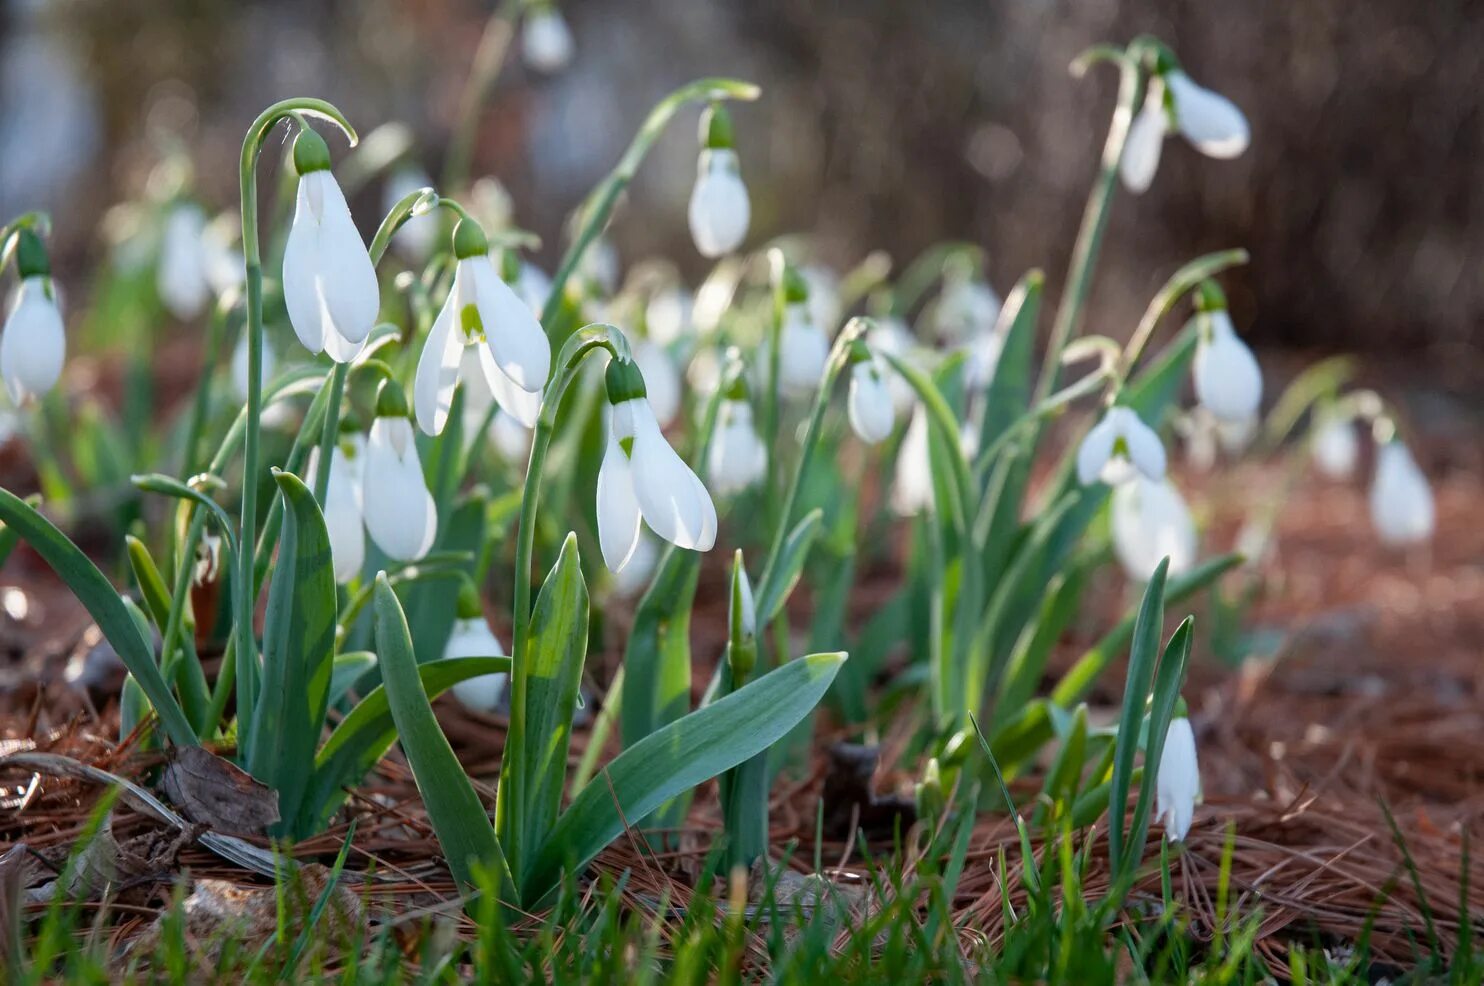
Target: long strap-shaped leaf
point(678, 756)
point(298, 652)
point(1141, 661)
point(457, 814)
point(102, 602)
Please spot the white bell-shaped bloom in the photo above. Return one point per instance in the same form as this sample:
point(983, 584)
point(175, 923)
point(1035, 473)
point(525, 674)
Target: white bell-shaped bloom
point(1228, 381)
point(329, 284)
point(34, 344)
point(868, 403)
point(221, 259)
point(635, 576)
point(534, 287)
point(1117, 447)
point(1145, 141)
point(669, 315)
point(719, 208)
point(180, 276)
point(803, 351)
point(912, 486)
point(824, 296)
point(401, 516)
point(661, 379)
point(982, 359)
point(967, 309)
point(1208, 119)
point(738, 457)
point(343, 508)
point(472, 637)
point(891, 336)
point(1178, 784)
point(419, 234)
point(1401, 501)
point(239, 366)
point(642, 477)
point(485, 335)
point(1150, 522)
point(1335, 447)
point(546, 41)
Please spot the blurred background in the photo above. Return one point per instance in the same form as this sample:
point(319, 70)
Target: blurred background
point(884, 124)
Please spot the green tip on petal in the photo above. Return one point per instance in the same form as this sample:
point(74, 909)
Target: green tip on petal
point(623, 381)
point(469, 607)
point(716, 128)
point(469, 239)
point(391, 401)
point(31, 259)
point(795, 288)
point(311, 153)
point(1210, 297)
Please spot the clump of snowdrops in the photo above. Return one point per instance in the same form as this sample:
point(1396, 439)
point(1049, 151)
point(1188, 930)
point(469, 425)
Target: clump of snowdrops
point(442, 390)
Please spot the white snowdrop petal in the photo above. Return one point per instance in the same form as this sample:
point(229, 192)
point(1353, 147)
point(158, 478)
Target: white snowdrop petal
point(912, 484)
point(1228, 380)
point(618, 508)
point(1401, 501)
point(522, 405)
point(719, 210)
point(520, 347)
point(33, 346)
point(738, 458)
point(347, 279)
point(399, 511)
point(1096, 449)
point(301, 261)
point(1208, 119)
point(803, 351)
point(1150, 521)
point(868, 404)
point(533, 286)
point(634, 577)
point(438, 371)
point(672, 499)
point(546, 41)
point(1336, 448)
point(181, 274)
point(342, 512)
point(472, 637)
point(1141, 151)
point(668, 315)
point(1178, 783)
point(1145, 449)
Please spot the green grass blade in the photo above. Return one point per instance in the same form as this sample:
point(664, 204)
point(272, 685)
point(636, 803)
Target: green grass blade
point(779, 582)
point(185, 670)
point(657, 657)
point(298, 653)
point(347, 669)
point(458, 816)
point(1142, 656)
point(1167, 683)
point(103, 604)
point(678, 756)
point(1009, 393)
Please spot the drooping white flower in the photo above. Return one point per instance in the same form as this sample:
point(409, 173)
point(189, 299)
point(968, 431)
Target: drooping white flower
point(418, 235)
point(1150, 522)
point(824, 296)
point(1178, 784)
point(803, 350)
point(221, 259)
point(329, 283)
point(180, 276)
point(472, 637)
point(343, 509)
point(892, 337)
point(1228, 381)
point(912, 486)
point(719, 208)
point(868, 403)
point(1210, 121)
point(400, 514)
point(1117, 447)
point(1401, 501)
point(967, 309)
point(34, 344)
point(661, 379)
point(738, 457)
point(266, 366)
point(982, 359)
point(546, 41)
point(1335, 447)
point(484, 335)
point(668, 316)
point(1146, 137)
point(641, 477)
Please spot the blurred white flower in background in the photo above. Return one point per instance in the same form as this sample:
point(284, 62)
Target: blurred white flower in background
point(912, 486)
point(868, 404)
point(343, 511)
point(803, 350)
point(1118, 447)
point(180, 275)
point(546, 40)
point(1150, 521)
point(635, 576)
point(33, 345)
point(967, 309)
point(1211, 122)
point(824, 296)
point(719, 210)
point(1402, 507)
point(419, 234)
point(1335, 447)
point(892, 337)
point(661, 379)
point(738, 458)
point(668, 315)
point(1228, 381)
point(239, 368)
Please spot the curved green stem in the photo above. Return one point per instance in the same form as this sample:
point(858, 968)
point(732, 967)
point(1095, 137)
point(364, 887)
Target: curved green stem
point(1183, 281)
point(252, 147)
point(1095, 215)
point(772, 393)
point(599, 206)
point(510, 797)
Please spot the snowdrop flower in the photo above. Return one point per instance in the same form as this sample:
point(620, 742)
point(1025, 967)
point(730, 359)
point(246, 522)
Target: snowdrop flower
point(668, 316)
point(329, 284)
point(472, 637)
point(399, 511)
point(34, 344)
point(181, 277)
point(642, 478)
point(824, 295)
point(546, 41)
point(484, 335)
point(343, 508)
point(967, 309)
point(738, 457)
point(912, 487)
point(803, 350)
point(661, 379)
point(891, 336)
point(635, 576)
point(418, 234)
point(1401, 501)
point(868, 403)
point(1118, 447)
point(1335, 447)
point(239, 366)
point(719, 208)
point(222, 261)
point(982, 359)
point(1212, 123)
point(1228, 381)
point(1178, 784)
point(1150, 522)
